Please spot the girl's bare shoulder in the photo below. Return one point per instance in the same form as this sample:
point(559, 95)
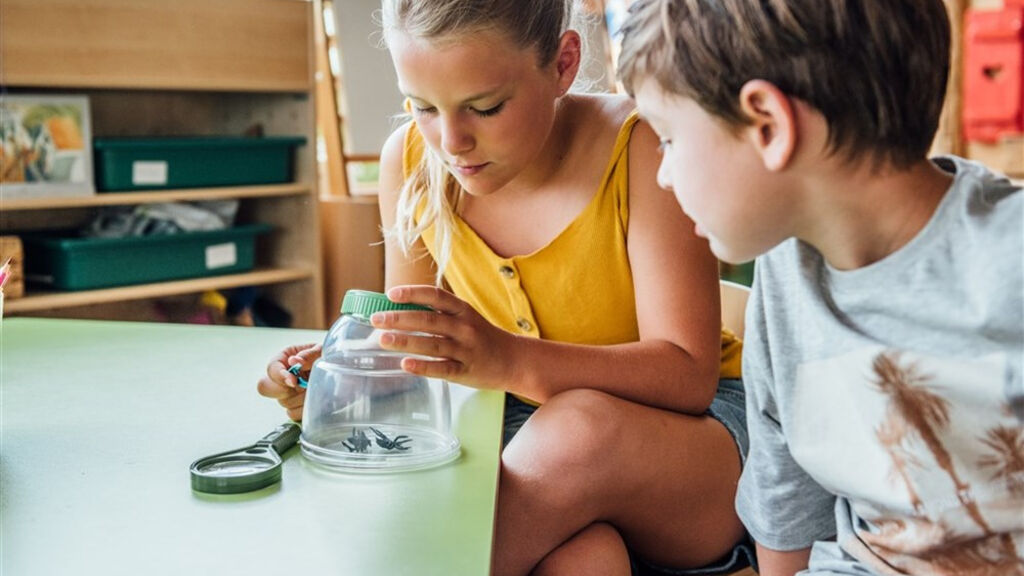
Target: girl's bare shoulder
point(603, 110)
point(597, 118)
point(392, 159)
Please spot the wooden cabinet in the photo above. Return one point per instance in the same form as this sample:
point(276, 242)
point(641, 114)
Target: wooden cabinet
point(189, 67)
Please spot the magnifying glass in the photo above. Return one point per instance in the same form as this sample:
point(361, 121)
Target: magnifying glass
point(245, 469)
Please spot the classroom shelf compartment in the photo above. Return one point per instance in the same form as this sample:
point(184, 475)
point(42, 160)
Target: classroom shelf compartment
point(73, 262)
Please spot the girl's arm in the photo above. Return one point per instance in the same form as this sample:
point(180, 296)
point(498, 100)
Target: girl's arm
point(417, 267)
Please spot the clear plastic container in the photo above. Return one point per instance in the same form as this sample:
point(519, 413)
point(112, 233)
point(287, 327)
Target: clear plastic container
point(363, 413)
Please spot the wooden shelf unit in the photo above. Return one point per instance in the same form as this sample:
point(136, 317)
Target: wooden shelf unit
point(185, 68)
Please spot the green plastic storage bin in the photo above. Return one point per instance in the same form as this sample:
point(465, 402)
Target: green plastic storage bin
point(76, 263)
point(124, 164)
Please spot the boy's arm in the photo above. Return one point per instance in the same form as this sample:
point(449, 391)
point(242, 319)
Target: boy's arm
point(775, 563)
point(784, 509)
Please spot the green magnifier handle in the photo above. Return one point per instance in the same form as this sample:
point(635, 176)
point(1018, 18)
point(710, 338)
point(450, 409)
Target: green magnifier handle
point(282, 438)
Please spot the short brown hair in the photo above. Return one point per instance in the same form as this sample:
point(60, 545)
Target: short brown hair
point(876, 69)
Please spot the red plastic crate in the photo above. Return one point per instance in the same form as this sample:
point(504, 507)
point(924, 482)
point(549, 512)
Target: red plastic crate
point(993, 71)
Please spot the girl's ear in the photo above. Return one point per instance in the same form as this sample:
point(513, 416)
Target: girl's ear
point(567, 63)
point(773, 127)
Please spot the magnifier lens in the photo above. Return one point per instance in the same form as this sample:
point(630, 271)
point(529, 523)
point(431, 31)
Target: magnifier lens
point(236, 472)
point(234, 466)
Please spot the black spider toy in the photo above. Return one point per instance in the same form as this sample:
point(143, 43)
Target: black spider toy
point(359, 441)
point(398, 443)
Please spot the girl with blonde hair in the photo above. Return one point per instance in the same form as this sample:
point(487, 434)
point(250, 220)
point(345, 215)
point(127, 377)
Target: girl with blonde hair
point(528, 217)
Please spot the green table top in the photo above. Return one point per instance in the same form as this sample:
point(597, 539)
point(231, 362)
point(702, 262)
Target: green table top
point(99, 422)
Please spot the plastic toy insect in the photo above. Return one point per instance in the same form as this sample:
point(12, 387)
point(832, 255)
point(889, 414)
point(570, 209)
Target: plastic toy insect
point(295, 369)
point(398, 443)
point(358, 441)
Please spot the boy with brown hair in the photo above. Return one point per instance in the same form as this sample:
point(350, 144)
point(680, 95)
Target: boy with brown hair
point(885, 330)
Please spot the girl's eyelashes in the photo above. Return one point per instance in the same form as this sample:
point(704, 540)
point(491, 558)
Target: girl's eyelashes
point(489, 111)
point(482, 113)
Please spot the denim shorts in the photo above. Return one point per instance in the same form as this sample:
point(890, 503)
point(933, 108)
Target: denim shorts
point(729, 408)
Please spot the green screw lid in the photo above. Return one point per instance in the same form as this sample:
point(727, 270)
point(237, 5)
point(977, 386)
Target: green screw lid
point(363, 304)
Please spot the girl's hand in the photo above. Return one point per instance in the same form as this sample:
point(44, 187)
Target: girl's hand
point(466, 348)
point(282, 385)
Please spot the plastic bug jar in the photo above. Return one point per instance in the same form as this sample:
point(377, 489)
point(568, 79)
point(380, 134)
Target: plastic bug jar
point(363, 413)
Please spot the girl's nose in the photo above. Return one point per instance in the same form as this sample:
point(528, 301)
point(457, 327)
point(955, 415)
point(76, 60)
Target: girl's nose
point(455, 139)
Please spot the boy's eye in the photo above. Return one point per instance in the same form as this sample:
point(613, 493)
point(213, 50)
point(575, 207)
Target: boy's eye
point(663, 144)
point(489, 111)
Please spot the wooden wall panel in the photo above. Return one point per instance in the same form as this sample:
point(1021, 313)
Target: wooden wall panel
point(158, 44)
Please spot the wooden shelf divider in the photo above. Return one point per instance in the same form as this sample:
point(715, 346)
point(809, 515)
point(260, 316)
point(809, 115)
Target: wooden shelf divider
point(156, 196)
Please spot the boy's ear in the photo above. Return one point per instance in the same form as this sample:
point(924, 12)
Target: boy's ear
point(773, 129)
point(567, 63)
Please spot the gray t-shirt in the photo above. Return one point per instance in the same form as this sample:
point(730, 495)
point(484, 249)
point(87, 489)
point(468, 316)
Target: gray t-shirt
point(885, 404)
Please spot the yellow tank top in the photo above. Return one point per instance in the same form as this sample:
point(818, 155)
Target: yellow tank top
point(578, 288)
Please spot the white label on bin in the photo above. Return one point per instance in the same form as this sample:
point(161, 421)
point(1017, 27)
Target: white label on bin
point(149, 172)
point(221, 255)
